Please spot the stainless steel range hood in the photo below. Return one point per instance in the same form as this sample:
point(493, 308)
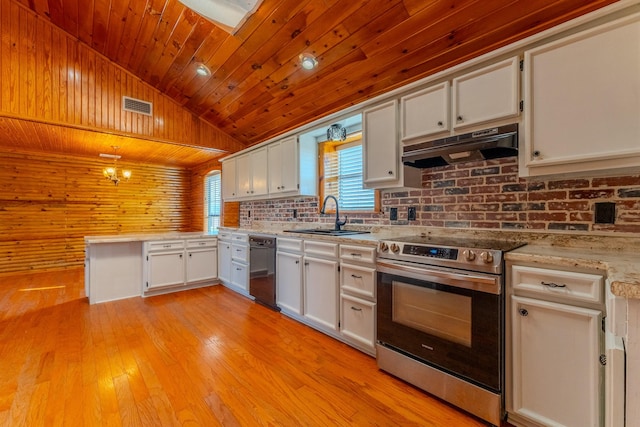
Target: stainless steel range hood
point(490, 143)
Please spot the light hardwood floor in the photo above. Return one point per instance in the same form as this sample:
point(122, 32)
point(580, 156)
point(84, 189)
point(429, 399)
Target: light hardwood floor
point(205, 357)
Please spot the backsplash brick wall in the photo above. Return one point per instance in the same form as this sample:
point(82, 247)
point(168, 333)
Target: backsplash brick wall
point(484, 195)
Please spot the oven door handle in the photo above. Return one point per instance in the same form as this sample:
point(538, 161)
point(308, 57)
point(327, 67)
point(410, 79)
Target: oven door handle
point(475, 282)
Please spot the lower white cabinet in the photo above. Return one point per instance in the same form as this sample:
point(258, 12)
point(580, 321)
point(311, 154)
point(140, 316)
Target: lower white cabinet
point(555, 347)
point(201, 260)
point(171, 264)
point(239, 277)
point(357, 322)
point(358, 296)
point(321, 292)
point(289, 277)
point(224, 261)
point(557, 374)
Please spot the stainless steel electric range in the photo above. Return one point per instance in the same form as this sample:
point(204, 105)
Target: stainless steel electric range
point(440, 318)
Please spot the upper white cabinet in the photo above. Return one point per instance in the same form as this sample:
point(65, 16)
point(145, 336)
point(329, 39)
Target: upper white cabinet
point(381, 151)
point(582, 101)
point(488, 94)
point(481, 96)
point(252, 173)
point(284, 168)
point(425, 112)
point(229, 180)
point(292, 167)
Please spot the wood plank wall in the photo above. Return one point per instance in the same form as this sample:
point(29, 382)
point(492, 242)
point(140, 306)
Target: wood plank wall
point(47, 75)
point(48, 203)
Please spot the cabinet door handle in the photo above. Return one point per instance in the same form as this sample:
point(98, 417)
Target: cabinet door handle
point(523, 312)
point(306, 263)
point(297, 262)
point(553, 285)
point(390, 172)
point(440, 123)
point(459, 118)
point(354, 254)
point(356, 277)
point(355, 308)
point(180, 255)
point(190, 255)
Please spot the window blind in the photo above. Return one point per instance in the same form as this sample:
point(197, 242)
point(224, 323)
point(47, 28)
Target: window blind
point(343, 178)
point(213, 200)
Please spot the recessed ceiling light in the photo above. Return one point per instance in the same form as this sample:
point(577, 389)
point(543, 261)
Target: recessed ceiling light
point(308, 61)
point(203, 70)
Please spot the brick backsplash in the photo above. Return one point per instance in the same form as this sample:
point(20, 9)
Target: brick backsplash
point(486, 195)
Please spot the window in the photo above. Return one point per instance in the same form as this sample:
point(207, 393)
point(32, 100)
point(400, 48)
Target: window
point(342, 175)
point(212, 201)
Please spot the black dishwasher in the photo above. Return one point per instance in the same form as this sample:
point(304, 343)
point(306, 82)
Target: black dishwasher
point(262, 270)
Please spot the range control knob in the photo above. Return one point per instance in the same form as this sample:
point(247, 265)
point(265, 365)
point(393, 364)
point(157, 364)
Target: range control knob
point(394, 248)
point(469, 255)
point(384, 247)
point(486, 257)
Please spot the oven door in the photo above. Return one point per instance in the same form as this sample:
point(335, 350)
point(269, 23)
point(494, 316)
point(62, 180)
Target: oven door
point(449, 319)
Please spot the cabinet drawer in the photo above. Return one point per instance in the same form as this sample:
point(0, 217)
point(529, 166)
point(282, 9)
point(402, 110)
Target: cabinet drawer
point(289, 245)
point(563, 285)
point(202, 243)
point(358, 280)
point(224, 235)
point(240, 253)
point(358, 253)
point(358, 320)
point(312, 247)
point(240, 275)
point(166, 245)
point(240, 237)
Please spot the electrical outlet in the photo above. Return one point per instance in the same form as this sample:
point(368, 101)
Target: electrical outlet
point(393, 214)
point(605, 213)
point(411, 213)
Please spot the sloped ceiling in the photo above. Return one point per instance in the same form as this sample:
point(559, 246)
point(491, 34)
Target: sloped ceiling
point(257, 88)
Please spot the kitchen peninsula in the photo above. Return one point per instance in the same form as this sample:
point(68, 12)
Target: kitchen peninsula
point(122, 266)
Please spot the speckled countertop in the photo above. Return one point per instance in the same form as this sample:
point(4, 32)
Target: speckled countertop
point(618, 257)
point(143, 237)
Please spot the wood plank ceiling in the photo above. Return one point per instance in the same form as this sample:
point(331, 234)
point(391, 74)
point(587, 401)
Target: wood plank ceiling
point(257, 89)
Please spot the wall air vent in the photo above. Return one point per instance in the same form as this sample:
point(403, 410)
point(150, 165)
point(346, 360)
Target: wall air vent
point(137, 106)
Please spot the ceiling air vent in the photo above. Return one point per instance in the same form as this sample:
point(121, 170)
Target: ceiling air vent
point(137, 106)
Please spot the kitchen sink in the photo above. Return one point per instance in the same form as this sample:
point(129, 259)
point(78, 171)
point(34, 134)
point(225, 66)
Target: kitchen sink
point(327, 232)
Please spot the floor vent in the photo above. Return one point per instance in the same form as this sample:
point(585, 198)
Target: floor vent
point(137, 106)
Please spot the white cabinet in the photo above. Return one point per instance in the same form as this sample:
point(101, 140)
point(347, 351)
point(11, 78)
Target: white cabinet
point(485, 95)
point(358, 296)
point(283, 166)
point(582, 101)
point(321, 285)
point(293, 167)
point(554, 346)
point(426, 112)
point(201, 260)
point(171, 264)
point(229, 180)
point(251, 172)
point(557, 372)
point(165, 264)
point(381, 152)
point(289, 276)
point(239, 263)
point(224, 257)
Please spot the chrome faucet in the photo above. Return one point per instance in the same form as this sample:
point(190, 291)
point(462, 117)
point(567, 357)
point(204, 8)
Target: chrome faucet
point(338, 222)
